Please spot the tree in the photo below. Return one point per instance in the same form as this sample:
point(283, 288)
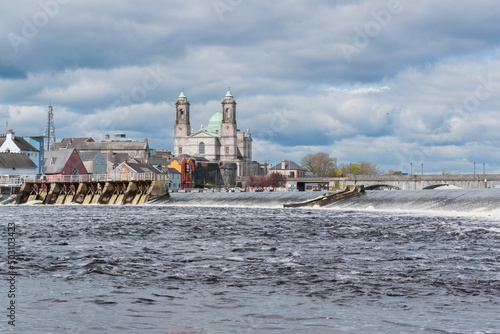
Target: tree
point(250, 181)
point(319, 163)
point(334, 172)
point(364, 168)
point(277, 180)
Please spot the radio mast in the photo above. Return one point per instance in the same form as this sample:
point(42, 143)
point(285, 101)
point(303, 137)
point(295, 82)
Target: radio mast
point(50, 133)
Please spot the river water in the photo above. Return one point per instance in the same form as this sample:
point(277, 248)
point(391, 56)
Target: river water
point(385, 262)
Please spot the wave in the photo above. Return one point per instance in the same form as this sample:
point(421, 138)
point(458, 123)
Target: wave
point(449, 200)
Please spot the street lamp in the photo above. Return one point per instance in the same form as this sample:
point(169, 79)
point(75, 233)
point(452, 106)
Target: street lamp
point(484, 169)
point(474, 168)
point(411, 168)
point(422, 169)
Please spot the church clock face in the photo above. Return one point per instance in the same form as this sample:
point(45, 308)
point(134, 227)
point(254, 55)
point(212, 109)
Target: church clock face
point(180, 127)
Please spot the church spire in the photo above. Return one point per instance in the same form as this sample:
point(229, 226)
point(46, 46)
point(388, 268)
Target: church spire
point(228, 94)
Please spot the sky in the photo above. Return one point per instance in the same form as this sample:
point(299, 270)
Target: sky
point(406, 85)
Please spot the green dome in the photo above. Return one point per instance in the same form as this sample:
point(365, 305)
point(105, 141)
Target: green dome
point(214, 124)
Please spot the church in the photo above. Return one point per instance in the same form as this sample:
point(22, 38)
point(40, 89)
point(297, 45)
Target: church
point(220, 141)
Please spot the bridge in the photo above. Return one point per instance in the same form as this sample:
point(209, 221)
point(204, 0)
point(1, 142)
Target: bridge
point(398, 182)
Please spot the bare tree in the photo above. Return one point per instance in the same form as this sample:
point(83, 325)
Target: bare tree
point(319, 164)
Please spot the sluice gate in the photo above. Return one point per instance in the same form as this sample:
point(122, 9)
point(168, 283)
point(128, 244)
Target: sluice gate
point(111, 192)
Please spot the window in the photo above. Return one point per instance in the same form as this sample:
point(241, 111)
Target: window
point(201, 148)
point(180, 149)
point(182, 113)
point(226, 150)
point(53, 160)
point(187, 167)
point(228, 113)
point(75, 171)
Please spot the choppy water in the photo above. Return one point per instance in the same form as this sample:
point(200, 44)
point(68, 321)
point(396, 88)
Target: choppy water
point(387, 262)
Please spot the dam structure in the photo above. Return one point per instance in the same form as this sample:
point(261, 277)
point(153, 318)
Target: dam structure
point(124, 189)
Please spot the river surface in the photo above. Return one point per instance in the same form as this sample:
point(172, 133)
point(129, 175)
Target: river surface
point(386, 262)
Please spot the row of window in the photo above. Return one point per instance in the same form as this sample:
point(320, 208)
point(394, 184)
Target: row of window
point(201, 149)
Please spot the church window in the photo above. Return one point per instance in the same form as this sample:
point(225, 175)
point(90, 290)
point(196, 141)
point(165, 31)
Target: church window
point(75, 171)
point(201, 148)
point(228, 113)
point(180, 149)
point(182, 113)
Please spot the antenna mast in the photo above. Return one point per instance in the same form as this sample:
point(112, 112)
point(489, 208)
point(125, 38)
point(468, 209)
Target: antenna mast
point(50, 134)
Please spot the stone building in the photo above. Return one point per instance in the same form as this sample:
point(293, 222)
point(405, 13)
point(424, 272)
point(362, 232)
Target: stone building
point(220, 142)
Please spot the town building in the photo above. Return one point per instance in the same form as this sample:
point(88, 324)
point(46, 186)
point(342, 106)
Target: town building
point(130, 170)
point(185, 166)
point(63, 163)
point(138, 150)
point(10, 143)
point(16, 164)
point(67, 143)
point(289, 169)
point(38, 142)
point(174, 180)
point(94, 162)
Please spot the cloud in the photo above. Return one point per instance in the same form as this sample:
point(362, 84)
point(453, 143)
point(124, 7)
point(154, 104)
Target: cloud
point(426, 76)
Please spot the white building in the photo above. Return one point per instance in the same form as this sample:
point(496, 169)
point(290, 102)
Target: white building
point(13, 144)
point(16, 164)
point(219, 141)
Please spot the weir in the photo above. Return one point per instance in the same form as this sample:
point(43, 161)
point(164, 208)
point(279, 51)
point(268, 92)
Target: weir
point(326, 199)
point(130, 191)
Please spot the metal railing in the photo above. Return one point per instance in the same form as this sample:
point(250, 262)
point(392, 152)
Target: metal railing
point(19, 180)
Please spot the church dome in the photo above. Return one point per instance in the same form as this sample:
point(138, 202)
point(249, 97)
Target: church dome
point(214, 124)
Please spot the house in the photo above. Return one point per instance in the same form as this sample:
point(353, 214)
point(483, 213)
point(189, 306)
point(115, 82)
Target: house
point(13, 144)
point(138, 150)
point(289, 169)
point(38, 142)
point(159, 163)
point(94, 162)
point(66, 143)
point(185, 166)
point(174, 179)
point(64, 162)
point(129, 170)
point(17, 164)
point(114, 159)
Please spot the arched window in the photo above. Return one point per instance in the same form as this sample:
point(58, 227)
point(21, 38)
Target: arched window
point(228, 113)
point(182, 113)
point(201, 148)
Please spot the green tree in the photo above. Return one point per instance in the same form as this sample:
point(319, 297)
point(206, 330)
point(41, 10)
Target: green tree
point(363, 168)
point(319, 163)
point(334, 172)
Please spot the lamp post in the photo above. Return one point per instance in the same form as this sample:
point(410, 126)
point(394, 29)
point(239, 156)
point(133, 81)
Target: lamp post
point(474, 168)
point(411, 168)
point(422, 169)
point(484, 169)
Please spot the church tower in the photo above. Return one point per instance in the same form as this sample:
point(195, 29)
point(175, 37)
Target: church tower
point(228, 139)
point(182, 125)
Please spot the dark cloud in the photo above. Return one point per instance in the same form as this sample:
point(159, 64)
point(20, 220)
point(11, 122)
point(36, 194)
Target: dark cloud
point(286, 63)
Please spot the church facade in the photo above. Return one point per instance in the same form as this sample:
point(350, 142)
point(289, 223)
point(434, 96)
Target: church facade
point(220, 141)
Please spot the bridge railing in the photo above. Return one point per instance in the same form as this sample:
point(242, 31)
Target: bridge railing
point(19, 180)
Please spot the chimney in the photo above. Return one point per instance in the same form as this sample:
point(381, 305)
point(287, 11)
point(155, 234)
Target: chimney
point(283, 164)
point(10, 135)
point(106, 136)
